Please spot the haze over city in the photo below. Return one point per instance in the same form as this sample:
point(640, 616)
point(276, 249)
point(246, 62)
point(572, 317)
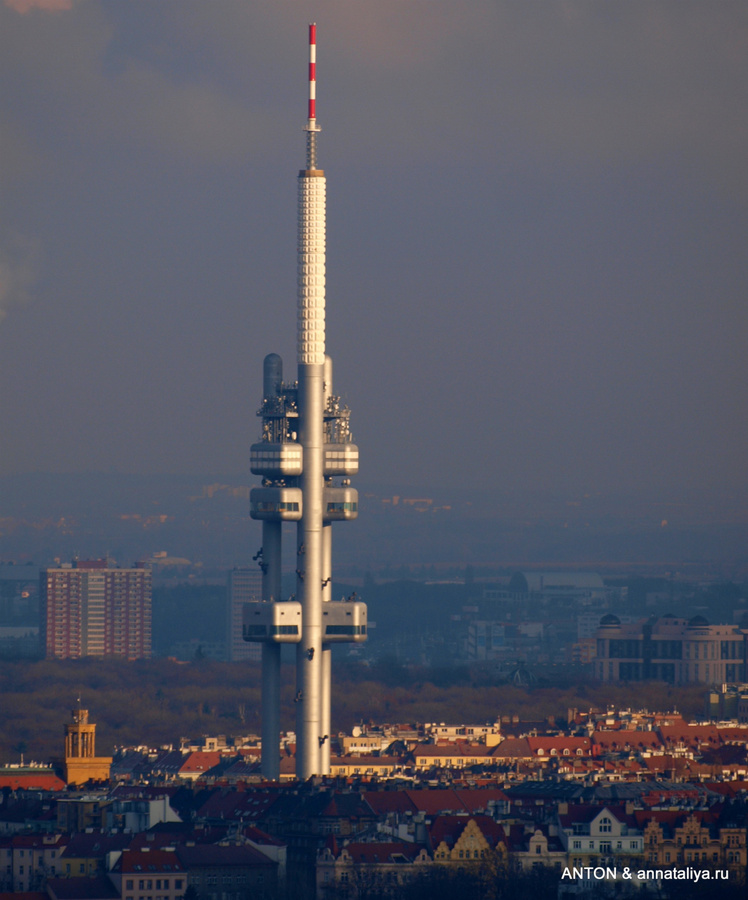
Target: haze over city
point(521, 669)
point(536, 237)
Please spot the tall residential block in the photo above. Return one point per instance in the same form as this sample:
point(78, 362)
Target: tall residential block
point(92, 608)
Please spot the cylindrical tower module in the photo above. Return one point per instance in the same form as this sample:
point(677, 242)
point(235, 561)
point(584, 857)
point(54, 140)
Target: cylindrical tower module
point(311, 361)
point(326, 674)
point(325, 722)
point(272, 383)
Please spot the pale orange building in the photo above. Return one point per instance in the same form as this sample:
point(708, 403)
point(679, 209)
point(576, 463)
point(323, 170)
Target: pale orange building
point(81, 763)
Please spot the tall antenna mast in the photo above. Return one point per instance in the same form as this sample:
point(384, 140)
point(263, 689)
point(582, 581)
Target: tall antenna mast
point(311, 126)
point(306, 445)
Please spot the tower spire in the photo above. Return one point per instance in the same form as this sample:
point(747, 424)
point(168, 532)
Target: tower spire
point(306, 444)
point(311, 126)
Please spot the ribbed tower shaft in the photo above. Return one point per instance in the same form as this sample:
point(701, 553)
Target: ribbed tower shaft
point(311, 361)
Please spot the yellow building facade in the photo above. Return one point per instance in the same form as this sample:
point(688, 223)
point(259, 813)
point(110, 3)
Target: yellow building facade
point(80, 763)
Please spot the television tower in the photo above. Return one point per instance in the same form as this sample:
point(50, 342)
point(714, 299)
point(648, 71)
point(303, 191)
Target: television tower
point(305, 457)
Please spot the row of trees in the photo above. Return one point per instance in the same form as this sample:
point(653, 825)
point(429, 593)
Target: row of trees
point(158, 701)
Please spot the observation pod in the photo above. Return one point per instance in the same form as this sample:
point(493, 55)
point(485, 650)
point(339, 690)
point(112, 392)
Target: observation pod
point(272, 623)
point(275, 504)
point(276, 460)
point(340, 504)
point(341, 459)
point(344, 622)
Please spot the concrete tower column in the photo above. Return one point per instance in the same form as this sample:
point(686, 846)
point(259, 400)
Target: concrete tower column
point(271, 655)
point(326, 674)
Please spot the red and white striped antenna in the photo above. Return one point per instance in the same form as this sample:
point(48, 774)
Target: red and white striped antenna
point(312, 74)
point(311, 126)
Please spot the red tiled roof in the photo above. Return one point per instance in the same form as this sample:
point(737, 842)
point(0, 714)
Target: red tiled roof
point(24, 895)
point(44, 781)
point(734, 734)
point(221, 855)
point(559, 744)
point(39, 841)
point(658, 795)
point(693, 735)
point(454, 749)
point(618, 740)
point(382, 852)
point(477, 800)
point(96, 888)
point(148, 860)
point(94, 843)
point(727, 788)
point(675, 818)
point(230, 804)
point(200, 761)
point(512, 748)
point(383, 802)
point(586, 812)
point(678, 764)
point(362, 761)
point(435, 802)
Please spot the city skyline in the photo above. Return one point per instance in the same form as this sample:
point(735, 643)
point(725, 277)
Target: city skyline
point(535, 253)
point(537, 231)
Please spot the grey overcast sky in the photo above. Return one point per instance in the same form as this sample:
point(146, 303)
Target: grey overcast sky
point(537, 235)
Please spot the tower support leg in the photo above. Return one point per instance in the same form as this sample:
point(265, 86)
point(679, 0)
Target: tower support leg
point(271, 655)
